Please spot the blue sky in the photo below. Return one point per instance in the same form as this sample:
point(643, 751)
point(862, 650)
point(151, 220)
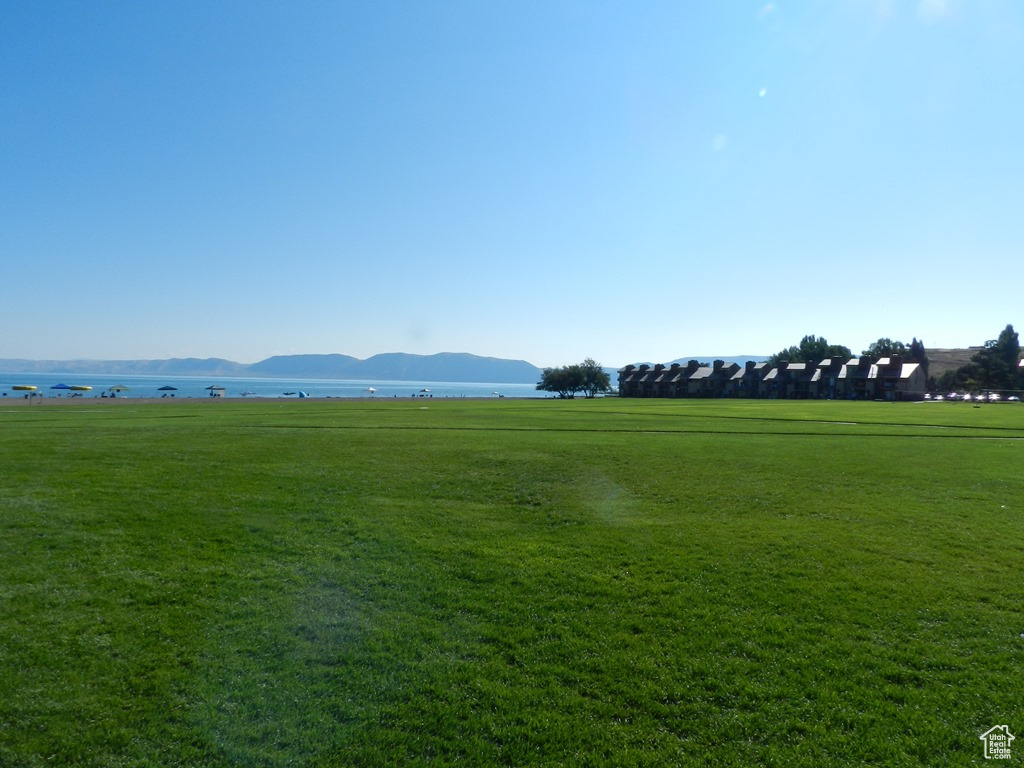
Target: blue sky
point(539, 180)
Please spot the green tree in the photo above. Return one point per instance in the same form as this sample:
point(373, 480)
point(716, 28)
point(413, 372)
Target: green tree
point(920, 355)
point(996, 366)
point(811, 349)
point(947, 382)
point(918, 352)
point(587, 377)
point(565, 381)
point(595, 378)
point(887, 348)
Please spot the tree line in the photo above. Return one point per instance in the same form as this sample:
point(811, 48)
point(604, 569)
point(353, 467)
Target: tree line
point(813, 349)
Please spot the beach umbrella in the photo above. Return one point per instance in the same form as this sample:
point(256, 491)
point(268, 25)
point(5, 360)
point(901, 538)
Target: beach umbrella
point(81, 388)
point(28, 389)
point(167, 388)
point(424, 390)
point(60, 386)
point(119, 388)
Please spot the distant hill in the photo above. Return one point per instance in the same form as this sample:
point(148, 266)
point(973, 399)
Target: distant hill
point(446, 366)
point(399, 366)
point(942, 360)
point(190, 366)
point(305, 366)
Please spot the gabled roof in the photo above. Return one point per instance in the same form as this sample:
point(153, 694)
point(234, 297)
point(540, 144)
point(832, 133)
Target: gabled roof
point(853, 371)
point(757, 370)
point(1005, 729)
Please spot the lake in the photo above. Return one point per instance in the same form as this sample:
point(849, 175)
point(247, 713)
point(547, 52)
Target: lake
point(191, 386)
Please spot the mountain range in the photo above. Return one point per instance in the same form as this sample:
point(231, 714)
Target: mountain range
point(446, 366)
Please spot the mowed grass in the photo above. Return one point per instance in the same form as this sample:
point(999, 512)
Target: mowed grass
point(450, 582)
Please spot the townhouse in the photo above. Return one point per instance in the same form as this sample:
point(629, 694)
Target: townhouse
point(883, 378)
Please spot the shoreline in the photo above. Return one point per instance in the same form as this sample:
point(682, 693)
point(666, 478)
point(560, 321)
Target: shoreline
point(29, 402)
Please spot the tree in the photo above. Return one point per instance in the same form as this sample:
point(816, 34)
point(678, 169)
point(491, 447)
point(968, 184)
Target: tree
point(996, 366)
point(947, 382)
point(565, 381)
point(587, 377)
point(595, 378)
point(887, 348)
point(917, 351)
point(811, 350)
point(919, 354)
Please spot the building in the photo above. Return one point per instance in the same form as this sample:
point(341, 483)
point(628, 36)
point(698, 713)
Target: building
point(859, 378)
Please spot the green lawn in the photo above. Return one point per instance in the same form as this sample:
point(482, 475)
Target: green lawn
point(451, 582)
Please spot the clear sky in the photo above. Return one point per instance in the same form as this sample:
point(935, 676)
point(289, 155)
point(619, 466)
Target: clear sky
point(531, 179)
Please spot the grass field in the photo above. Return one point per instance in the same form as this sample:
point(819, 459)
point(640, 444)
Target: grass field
point(610, 582)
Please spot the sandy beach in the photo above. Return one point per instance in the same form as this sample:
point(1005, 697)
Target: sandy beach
point(33, 402)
